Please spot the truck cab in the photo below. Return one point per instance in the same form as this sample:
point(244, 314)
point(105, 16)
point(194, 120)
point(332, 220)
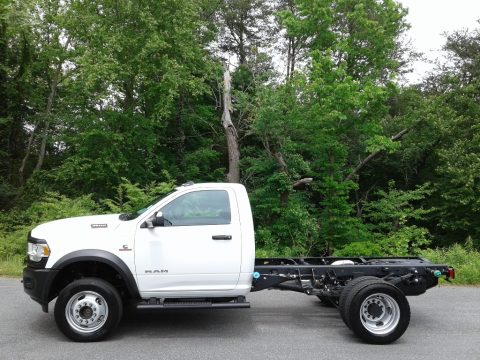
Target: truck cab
point(196, 241)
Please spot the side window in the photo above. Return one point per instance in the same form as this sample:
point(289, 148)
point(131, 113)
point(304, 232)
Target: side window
point(207, 207)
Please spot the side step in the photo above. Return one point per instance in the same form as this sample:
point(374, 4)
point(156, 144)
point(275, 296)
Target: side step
point(155, 303)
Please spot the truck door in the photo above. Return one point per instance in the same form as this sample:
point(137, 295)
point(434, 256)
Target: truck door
point(198, 247)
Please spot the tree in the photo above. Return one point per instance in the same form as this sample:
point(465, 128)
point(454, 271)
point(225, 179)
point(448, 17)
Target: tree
point(458, 182)
point(233, 175)
point(353, 47)
point(140, 72)
point(15, 92)
point(244, 27)
point(287, 15)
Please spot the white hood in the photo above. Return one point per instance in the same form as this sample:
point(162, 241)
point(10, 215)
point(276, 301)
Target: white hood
point(77, 227)
point(98, 232)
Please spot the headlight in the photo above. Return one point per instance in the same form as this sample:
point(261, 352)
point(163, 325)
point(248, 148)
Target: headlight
point(36, 252)
point(37, 249)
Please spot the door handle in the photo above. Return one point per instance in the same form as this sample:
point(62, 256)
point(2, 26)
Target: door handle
point(222, 237)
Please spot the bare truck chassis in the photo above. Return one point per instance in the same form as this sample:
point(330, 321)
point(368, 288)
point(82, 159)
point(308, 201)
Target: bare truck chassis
point(370, 292)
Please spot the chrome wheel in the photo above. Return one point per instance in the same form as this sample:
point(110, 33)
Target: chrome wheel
point(379, 314)
point(86, 312)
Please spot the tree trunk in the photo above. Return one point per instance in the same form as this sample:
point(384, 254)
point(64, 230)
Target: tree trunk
point(128, 100)
point(293, 55)
point(179, 134)
point(242, 58)
point(48, 112)
point(284, 195)
point(25, 158)
point(43, 146)
point(233, 175)
point(289, 43)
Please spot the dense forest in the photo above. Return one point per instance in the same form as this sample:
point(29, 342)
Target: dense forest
point(105, 104)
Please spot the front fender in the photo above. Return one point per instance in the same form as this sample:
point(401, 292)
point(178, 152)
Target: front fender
point(104, 257)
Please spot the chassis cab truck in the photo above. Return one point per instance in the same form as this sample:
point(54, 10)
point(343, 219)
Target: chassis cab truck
point(195, 248)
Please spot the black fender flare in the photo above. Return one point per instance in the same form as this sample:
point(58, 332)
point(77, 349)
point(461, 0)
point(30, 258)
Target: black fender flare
point(104, 257)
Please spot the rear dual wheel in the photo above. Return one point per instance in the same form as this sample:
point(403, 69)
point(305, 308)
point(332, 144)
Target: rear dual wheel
point(346, 290)
point(375, 310)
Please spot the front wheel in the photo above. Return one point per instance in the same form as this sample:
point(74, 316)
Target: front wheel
point(377, 311)
point(88, 309)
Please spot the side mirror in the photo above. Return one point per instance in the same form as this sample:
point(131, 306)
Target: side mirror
point(156, 220)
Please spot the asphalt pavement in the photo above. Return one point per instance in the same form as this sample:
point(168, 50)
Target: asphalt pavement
point(445, 324)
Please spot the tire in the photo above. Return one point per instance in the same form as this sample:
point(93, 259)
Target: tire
point(88, 310)
point(377, 311)
point(346, 291)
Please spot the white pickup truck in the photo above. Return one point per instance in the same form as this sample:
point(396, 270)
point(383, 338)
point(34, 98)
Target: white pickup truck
point(195, 248)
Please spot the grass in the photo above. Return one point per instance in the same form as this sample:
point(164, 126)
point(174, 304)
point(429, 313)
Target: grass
point(12, 266)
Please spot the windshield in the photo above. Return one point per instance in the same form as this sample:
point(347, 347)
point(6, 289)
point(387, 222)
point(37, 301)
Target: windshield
point(137, 213)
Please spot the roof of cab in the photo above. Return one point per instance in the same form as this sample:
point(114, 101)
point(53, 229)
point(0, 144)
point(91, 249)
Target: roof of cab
point(207, 185)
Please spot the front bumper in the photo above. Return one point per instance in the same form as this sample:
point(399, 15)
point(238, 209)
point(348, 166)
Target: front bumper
point(37, 284)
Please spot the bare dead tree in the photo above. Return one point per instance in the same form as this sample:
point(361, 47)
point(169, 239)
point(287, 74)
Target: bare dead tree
point(233, 175)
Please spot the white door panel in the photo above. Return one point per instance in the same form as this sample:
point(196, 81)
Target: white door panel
point(186, 257)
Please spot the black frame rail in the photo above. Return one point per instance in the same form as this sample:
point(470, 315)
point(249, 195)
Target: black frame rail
point(326, 276)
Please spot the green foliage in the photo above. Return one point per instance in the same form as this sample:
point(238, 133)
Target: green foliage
point(7, 191)
point(459, 167)
point(365, 248)
point(395, 208)
point(131, 197)
point(105, 105)
point(391, 220)
point(283, 226)
point(293, 231)
point(361, 33)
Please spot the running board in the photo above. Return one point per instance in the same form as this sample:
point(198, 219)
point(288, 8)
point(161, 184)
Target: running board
point(158, 304)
